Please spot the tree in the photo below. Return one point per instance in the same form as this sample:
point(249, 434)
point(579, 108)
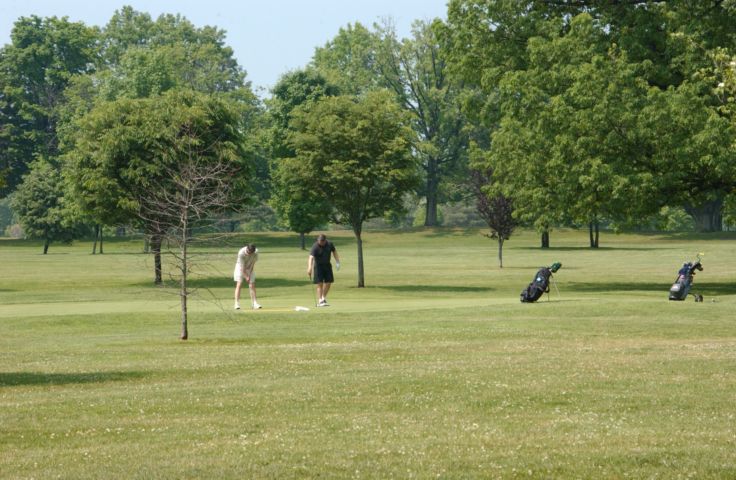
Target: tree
point(127, 147)
point(40, 205)
point(35, 68)
point(579, 107)
point(667, 46)
point(144, 58)
point(415, 70)
point(349, 60)
point(191, 190)
point(300, 208)
point(495, 208)
point(482, 42)
point(355, 152)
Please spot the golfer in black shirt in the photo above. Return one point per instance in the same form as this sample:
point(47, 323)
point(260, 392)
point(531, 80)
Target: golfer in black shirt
point(319, 263)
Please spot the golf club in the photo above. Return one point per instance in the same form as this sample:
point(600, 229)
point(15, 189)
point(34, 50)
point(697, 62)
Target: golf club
point(314, 290)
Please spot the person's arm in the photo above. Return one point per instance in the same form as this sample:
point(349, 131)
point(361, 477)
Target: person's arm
point(337, 258)
point(310, 264)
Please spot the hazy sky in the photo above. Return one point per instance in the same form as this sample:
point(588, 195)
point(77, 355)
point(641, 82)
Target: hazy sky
point(269, 37)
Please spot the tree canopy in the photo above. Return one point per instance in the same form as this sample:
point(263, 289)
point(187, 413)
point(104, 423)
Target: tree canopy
point(355, 153)
point(128, 147)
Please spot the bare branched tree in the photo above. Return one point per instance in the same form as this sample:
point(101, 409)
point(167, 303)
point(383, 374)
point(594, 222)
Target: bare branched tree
point(196, 189)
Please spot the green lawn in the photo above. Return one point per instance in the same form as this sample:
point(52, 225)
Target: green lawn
point(435, 370)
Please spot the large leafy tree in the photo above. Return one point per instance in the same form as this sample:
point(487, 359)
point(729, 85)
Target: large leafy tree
point(415, 70)
point(126, 150)
point(35, 68)
point(349, 60)
point(580, 109)
point(669, 45)
point(300, 208)
point(146, 58)
point(355, 152)
point(41, 208)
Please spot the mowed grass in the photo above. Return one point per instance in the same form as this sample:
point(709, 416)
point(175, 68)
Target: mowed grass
point(434, 370)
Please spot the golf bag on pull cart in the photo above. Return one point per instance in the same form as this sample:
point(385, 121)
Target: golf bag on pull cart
point(681, 288)
point(540, 284)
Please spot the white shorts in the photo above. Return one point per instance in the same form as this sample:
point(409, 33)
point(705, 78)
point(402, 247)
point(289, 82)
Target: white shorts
point(238, 275)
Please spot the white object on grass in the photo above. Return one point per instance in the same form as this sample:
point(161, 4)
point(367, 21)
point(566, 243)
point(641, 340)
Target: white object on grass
point(301, 309)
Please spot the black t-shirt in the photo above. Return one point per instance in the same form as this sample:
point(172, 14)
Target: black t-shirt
point(321, 253)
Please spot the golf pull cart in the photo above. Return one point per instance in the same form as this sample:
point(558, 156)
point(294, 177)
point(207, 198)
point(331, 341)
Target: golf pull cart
point(540, 284)
point(681, 288)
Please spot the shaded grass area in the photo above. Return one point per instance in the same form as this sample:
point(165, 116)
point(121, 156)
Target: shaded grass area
point(434, 370)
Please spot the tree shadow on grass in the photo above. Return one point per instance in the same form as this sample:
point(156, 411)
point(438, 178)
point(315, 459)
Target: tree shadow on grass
point(585, 248)
point(704, 288)
point(13, 379)
point(227, 282)
point(437, 289)
point(217, 282)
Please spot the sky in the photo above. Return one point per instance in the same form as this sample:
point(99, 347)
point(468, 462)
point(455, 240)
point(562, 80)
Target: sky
point(268, 37)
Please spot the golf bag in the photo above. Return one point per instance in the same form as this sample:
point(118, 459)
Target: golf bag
point(540, 284)
point(681, 288)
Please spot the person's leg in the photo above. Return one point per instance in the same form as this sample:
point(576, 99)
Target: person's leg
point(252, 290)
point(238, 285)
point(320, 297)
point(328, 278)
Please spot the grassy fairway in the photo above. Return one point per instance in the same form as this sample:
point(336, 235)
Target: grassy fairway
point(434, 370)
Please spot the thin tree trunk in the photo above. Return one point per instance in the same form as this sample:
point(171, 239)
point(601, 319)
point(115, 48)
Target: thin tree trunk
point(500, 251)
point(302, 240)
point(97, 234)
point(101, 236)
point(590, 234)
point(46, 243)
point(593, 233)
point(597, 233)
point(545, 239)
point(156, 250)
point(184, 291)
point(361, 271)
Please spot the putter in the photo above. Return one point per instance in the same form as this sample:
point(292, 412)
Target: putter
point(314, 290)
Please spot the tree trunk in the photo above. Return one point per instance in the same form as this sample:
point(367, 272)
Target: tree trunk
point(545, 239)
point(708, 216)
point(156, 250)
point(184, 292)
point(302, 240)
point(500, 251)
point(597, 233)
point(590, 234)
point(361, 271)
point(593, 233)
point(46, 243)
point(101, 251)
point(97, 234)
point(430, 219)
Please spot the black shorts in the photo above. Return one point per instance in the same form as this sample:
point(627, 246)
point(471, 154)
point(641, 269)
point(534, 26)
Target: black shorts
point(323, 273)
